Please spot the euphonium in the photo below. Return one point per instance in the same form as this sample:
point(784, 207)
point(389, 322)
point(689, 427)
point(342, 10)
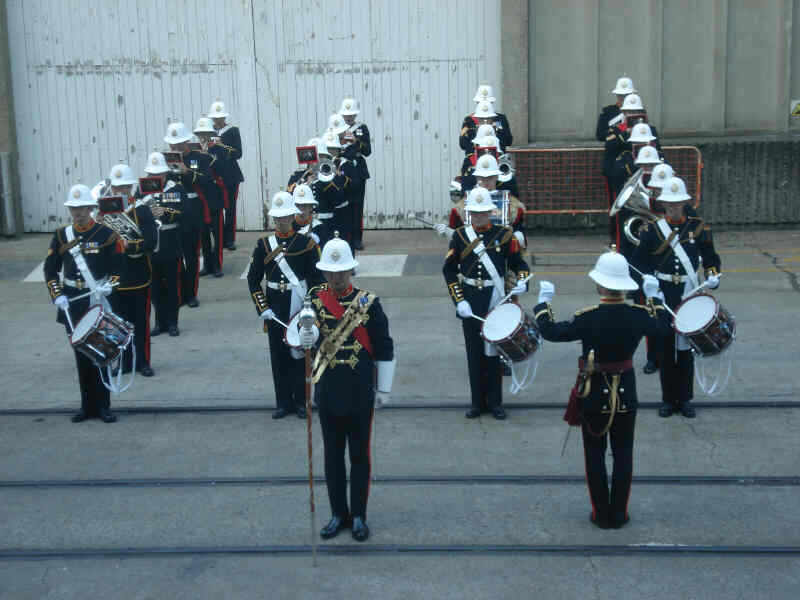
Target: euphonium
point(635, 198)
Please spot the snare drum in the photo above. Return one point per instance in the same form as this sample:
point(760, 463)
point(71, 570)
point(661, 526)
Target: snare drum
point(512, 330)
point(705, 324)
point(101, 335)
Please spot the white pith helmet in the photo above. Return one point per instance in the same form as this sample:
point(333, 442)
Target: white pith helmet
point(122, 174)
point(348, 107)
point(204, 125)
point(489, 141)
point(314, 141)
point(80, 195)
point(336, 256)
point(612, 272)
point(303, 194)
point(177, 133)
point(632, 102)
point(282, 205)
point(662, 173)
point(641, 134)
point(483, 94)
point(217, 110)
point(337, 124)
point(484, 110)
point(648, 155)
point(331, 140)
point(156, 164)
point(624, 87)
point(674, 190)
point(479, 200)
point(486, 166)
point(483, 131)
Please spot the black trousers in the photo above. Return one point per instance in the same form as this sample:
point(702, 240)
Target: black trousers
point(134, 307)
point(357, 213)
point(95, 397)
point(212, 242)
point(167, 275)
point(190, 243)
point(229, 233)
point(288, 374)
point(611, 509)
point(677, 373)
point(612, 221)
point(485, 372)
point(351, 430)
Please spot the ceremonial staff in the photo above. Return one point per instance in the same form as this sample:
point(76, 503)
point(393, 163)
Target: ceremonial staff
point(306, 321)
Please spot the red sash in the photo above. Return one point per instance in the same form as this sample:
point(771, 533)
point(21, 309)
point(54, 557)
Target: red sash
point(221, 185)
point(337, 310)
point(206, 213)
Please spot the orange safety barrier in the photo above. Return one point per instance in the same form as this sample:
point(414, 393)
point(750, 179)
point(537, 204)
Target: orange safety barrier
point(554, 181)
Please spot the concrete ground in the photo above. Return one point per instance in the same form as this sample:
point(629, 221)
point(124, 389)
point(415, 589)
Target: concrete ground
point(197, 493)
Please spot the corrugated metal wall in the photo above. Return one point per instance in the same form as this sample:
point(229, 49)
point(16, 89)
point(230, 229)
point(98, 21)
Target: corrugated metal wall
point(97, 81)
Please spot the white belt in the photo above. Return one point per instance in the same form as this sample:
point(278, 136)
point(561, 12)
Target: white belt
point(191, 195)
point(343, 204)
point(168, 226)
point(676, 279)
point(325, 215)
point(478, 283)
point(76, 284)
point(283, 286)
point(140, 255)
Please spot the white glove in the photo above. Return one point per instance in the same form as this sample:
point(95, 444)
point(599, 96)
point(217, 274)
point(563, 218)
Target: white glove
point(267, 315)
point(443, 230)
point(546, 291)
point(62, 302)
point(381, 399)
point(518, 289)
point(712, 281)
point(308, 337)
point(315, 237)
point(103, 289)
point(650, 286)
point(463, 309)
point(520, 238)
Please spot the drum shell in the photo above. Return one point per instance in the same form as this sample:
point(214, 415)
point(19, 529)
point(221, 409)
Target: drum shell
point(713, 337)
point(106, 337)
point(523, 340)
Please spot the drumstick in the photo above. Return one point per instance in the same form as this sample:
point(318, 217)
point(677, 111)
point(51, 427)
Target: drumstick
point(509, 294)
point(89, 293)
point(481, 319)
point(421, 220)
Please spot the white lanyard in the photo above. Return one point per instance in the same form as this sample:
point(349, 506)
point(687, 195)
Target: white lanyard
point(299, 288)
point(483, 256)
point(691, 275)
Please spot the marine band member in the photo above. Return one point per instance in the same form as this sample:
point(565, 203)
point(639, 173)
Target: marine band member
point(86, 252)
point(231, 141)
point(484, 114)
point(604, 399)
point(306, 222)
point(357, 146)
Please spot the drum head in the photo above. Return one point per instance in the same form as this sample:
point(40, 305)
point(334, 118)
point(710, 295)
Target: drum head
point(695, 313)
point(87, 323)
point(292, 335)
point(501, 322)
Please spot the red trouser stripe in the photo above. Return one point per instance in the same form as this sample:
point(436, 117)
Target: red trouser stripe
point(147, 325)
point(197, 266)
point(235, 209)
point(219, 235)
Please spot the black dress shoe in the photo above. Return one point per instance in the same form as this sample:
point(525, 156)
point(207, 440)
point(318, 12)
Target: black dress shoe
point(107, 416)
point(204, 272)
point(301, 412)
point(473, 413)
point(280, 413)
point(665, 410)
point(231, 247)
point(79, 417)
point(174, 331)
point(687, 410)
point(498, 413)
point(192, 303)
point(650, 368)
point(146, 371)
point(219, 273)
point(601, 523)
point(155, 331)
point(619, 524)
point(334, 526)
point(359, 246)
point(360, 530)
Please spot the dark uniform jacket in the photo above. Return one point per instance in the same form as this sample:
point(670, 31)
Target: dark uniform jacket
point(316, 226)
point(302, 254)
point(360, 148)
point(99, 246)
point(173, 199)
point(348, 384)
point(616, 143)
point(504, 252)
point(200, 179)
point(222, 168)
point(654, 254)
point(294, 179)
point(329, 195)
point(613, 329)
point(470, 127)
point(135, 269)
point(232, 141)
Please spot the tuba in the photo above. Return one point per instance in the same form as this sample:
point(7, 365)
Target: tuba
point(635, 198)
point(506, 165)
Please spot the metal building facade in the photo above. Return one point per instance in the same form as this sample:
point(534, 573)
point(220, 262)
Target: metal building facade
point(95, 82)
